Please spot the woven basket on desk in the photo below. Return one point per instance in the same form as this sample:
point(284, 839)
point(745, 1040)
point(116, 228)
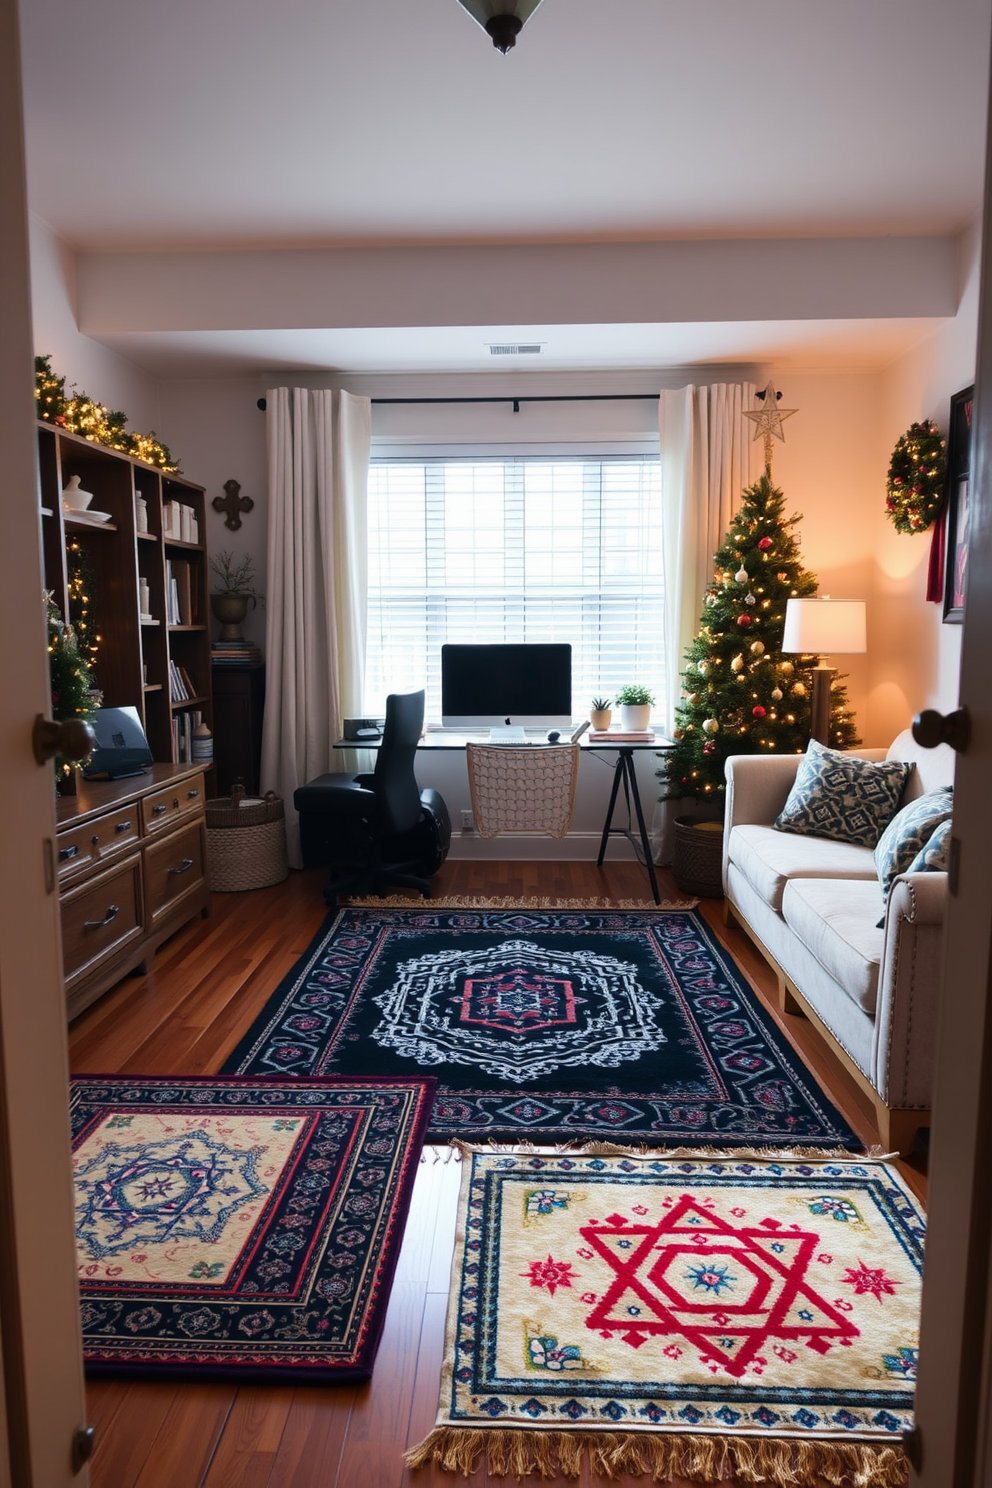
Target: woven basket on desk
point(246, 845)
point(697, 861)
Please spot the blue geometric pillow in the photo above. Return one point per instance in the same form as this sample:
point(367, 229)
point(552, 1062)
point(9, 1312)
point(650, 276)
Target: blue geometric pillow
point(936, 856)
point(840, 796)
point(908, 833)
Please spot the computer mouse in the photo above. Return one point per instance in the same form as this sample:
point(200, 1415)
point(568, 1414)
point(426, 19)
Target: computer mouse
point(554, 736)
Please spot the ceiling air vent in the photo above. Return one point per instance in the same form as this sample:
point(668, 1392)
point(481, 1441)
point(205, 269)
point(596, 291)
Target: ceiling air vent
point(516, 348)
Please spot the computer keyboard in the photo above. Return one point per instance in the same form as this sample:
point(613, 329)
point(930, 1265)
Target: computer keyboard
point(509, 735)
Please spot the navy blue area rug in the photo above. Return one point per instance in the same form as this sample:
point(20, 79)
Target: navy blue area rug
point(242, 1229)
point(546, 1026)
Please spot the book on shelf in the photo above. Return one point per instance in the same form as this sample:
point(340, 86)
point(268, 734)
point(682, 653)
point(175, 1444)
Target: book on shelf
point(177, 687)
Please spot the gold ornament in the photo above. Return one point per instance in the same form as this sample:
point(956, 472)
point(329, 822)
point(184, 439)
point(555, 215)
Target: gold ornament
point(737, 664)
point(799, 689)
point(777, 694)
point(741, 575)
point(786, 667)
point(757, 648)
point(710, 726)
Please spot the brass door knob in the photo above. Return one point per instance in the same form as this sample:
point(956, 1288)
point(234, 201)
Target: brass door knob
point(73, 739)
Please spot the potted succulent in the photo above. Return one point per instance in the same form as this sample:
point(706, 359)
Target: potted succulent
point(600, 713)
point(235, 590)
point(635, 704)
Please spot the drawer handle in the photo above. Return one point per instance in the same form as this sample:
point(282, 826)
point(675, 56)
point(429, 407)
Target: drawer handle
point(191, 795)
point(184, 866)
point(175, 804)
point(157, 810)
point(111, 914)
point(123, 826)
point(65, 853)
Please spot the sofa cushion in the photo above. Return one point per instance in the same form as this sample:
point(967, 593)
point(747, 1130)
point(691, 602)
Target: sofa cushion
point(842, 797)
point(908, 833)
point(836, 920)
point(768, 859)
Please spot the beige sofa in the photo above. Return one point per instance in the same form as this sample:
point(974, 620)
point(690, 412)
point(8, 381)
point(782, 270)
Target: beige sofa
point(812, 907)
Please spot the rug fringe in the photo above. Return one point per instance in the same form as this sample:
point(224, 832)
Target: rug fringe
point(697, 1459)
point(595, 1148)
point(474, 901)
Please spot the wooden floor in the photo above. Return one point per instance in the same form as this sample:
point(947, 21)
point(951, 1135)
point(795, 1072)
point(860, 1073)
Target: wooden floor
point(206, 986)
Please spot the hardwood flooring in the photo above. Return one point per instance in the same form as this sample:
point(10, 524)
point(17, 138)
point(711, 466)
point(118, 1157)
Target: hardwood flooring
point(204, 989)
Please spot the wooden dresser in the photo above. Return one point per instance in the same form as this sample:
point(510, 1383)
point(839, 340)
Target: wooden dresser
point(131, 870)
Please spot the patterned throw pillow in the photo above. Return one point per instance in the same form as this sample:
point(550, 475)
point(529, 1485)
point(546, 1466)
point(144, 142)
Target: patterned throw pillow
point(841, 796)
point(933, 857)
point(908, 833)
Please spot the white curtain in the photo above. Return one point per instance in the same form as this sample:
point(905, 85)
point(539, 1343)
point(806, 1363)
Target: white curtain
point(708, 456)
point(316, 584)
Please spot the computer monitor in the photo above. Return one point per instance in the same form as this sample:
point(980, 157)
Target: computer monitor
point(121, 746)
point(525, 686)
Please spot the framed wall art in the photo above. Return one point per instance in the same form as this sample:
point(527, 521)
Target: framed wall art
point(958, 488)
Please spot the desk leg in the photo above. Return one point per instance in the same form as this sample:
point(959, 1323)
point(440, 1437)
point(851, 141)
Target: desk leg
point(625, 772)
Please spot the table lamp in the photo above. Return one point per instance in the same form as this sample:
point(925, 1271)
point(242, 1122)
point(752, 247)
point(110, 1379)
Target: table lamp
point(824, 627)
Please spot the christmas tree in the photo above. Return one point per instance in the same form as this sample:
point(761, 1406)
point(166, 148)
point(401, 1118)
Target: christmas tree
point(740, 694)
point(69, 675)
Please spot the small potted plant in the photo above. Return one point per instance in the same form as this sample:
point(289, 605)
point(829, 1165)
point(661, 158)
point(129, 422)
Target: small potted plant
point(600, 713)
point(635, 704)
point(235, 590)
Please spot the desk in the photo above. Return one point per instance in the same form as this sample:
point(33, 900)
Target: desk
point(623, 774)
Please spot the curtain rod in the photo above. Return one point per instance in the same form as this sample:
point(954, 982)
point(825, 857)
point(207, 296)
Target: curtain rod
point(525, 398)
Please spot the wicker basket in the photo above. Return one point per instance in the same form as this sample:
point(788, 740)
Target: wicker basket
point(246, 844)
point(697, 862)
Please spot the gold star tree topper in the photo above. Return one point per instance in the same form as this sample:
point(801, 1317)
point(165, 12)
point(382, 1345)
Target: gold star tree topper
point(768, 419)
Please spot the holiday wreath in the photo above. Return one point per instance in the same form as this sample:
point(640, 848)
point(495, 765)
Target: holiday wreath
point(916, 477)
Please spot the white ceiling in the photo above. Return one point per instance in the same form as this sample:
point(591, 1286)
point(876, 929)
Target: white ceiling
point(239, 124)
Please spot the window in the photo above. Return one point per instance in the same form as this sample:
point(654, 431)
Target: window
point(515, 550)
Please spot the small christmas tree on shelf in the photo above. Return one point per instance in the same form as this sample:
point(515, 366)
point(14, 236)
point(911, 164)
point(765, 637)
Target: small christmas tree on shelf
point(740, 694)
point(71, 683)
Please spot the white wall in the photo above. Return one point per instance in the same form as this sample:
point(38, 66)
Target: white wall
point(104, 375)
point(916, 659)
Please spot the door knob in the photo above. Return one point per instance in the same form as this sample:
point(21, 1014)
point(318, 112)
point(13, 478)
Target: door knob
point(73, 739)
point(931, 728)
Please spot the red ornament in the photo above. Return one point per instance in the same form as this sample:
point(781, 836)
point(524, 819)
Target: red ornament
point(709, 747)
point(758, 711)
point(744, 621)
point(765, 543)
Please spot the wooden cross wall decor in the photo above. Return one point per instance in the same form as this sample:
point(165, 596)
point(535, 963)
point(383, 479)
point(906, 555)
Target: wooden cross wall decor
point(233, 503)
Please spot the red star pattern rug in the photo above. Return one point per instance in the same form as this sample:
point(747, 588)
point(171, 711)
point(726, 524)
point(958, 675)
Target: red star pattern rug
point(691, 1314)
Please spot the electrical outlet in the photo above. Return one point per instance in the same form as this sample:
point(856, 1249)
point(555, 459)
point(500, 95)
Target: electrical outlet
point(468, 825)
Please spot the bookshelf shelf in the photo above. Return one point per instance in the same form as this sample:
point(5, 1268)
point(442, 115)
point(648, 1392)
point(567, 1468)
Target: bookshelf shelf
point(160, 573)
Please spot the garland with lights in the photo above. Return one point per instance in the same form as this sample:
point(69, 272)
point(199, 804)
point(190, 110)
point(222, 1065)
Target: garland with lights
point(740, 695)
point(79, 414)
point(915, 485)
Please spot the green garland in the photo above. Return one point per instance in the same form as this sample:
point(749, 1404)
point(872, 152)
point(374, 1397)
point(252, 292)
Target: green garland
point(916, 478)
point(78, 413)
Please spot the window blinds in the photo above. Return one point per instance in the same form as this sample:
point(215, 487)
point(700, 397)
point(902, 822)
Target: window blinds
point(515, 550)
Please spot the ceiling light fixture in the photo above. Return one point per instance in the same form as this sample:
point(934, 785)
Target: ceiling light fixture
point(503, 20)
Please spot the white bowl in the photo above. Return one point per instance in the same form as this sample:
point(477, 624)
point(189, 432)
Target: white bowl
point(73, 499)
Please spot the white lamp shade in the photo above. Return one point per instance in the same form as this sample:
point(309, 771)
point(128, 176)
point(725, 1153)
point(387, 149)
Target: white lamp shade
point(825, 627)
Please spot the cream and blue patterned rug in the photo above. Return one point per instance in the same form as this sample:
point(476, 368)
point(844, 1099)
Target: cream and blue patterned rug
point(243, 1229)
point(546, 1025)
point(684, 1315)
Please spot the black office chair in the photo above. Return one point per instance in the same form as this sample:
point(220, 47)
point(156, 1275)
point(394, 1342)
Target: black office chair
point(380, 828)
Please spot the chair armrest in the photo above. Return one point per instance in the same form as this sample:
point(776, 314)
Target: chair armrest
point(909, 990)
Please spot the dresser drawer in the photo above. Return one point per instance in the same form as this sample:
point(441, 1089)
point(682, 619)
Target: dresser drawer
point(96, 840)
point(101, 916)
point(174, 869)
point(163, 808)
